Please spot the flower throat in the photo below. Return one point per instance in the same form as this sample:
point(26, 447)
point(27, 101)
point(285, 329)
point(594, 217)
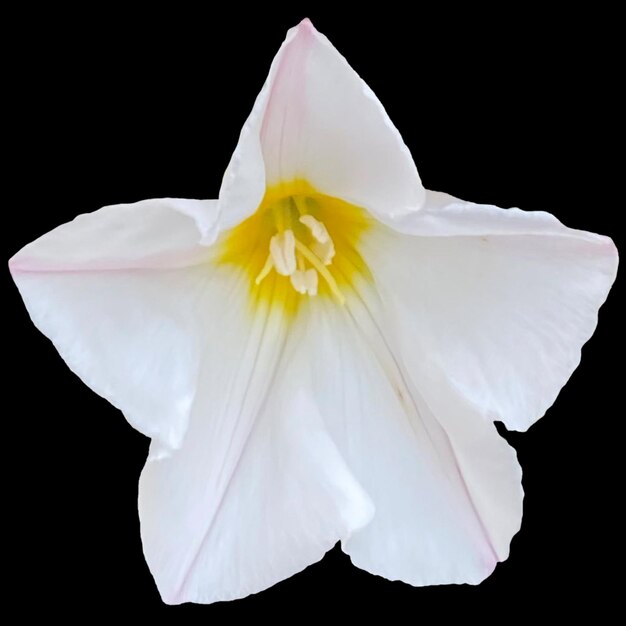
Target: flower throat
point(298, 244)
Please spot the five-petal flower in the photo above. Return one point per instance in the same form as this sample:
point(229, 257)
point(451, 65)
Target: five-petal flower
point(319, 354)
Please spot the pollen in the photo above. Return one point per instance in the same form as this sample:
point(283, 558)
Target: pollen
point(298, 246)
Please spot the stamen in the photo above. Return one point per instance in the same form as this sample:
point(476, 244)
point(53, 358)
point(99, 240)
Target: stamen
point(267, 268)
point(283, 252)
point(317, 228)
point(324, 273)
point(301, 264)
point(307, 238)
point(311, 282)
point(324, 251)
point(305, 281)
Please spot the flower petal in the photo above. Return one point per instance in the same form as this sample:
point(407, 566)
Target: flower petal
point(316, 119)
point(258, 490)
point(115, 293)
point(500, 301)
point(446, 487)
point(157, 233)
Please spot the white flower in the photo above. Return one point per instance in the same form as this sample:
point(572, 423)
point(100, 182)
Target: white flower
point(319, 355)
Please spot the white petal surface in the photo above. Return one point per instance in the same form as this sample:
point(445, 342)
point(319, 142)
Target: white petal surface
point(445, 486)
point(121, 296)
point(499, 301)
point(258, 490)
point(160, 233)
point(316, 119)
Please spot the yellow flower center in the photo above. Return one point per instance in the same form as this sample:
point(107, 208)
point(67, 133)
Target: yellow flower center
point(299, 244)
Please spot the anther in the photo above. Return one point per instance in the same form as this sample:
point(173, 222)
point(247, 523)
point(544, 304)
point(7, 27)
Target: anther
point(283, 252)
point(317, 228)
point(305, 281)
point(323, 246)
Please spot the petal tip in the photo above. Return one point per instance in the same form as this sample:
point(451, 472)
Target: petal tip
point(15, 264)
point(305, 29)
point(307, 25)
point(611, 247)
point(610, 251)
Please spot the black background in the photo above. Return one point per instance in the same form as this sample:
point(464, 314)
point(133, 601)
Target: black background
point(515, 109)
